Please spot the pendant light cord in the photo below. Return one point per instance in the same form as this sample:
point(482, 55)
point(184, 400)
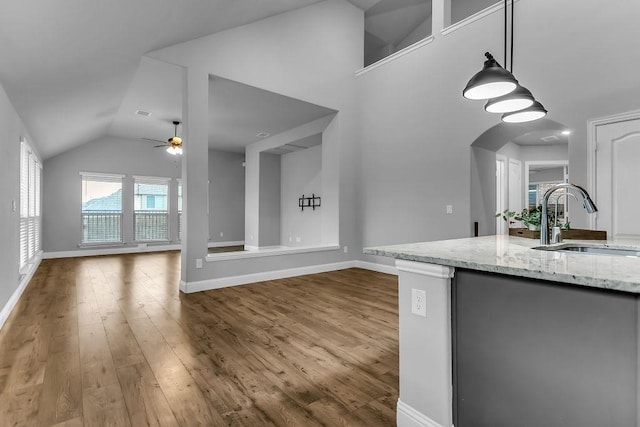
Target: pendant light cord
point(513, 3)
point(506, 64)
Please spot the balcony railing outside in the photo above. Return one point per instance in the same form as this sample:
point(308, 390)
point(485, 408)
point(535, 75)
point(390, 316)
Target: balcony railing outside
point(151, 225)
point(101, 226)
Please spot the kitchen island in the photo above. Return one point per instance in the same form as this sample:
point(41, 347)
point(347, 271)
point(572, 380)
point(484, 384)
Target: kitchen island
point(517, 336)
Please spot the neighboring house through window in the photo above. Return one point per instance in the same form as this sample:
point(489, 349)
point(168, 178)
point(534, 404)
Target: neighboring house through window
point(101, 208)
point(151, 208)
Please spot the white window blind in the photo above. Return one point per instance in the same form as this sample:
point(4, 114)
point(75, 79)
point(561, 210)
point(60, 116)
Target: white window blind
point(180, 209)
point(150, 208)
point(30, 207)
point(101, 208)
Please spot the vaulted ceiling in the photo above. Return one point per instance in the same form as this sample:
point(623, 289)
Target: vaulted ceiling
point(76, 70)
point(67, 65)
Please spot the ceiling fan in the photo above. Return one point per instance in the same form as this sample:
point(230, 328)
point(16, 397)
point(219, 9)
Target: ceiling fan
point(173, 144)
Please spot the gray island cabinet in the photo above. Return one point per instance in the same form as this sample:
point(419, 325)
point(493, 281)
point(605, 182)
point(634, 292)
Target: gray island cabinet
point(515, 336)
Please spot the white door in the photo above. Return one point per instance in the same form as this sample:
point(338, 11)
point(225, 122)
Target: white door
point(618, 178)
point(501, 192)
point(515, 187)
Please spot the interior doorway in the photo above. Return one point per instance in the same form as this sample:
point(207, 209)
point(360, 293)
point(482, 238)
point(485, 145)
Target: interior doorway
point(614, 150)
point(501, 194)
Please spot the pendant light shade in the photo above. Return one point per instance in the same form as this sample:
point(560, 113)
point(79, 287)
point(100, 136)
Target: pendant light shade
point(535, 112)
point(519, 99)
point(492, 82)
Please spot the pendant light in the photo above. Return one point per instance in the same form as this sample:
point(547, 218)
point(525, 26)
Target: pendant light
point(520, 98)
point(535, 112)
point(491, 82)
point(517, 100)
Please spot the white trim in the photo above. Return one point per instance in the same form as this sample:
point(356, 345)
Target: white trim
point(475, 17)
point(407, 416)
point(15, 297)
point(152, 179)
point(223, 244)
point(527, 171)
point(101, 245)
point(592, 134)
point(102, 175)
point(224, 282)
point(380, 268)
point(431, 270)
point(110, 251)
point(395, 55)
point(268, 251)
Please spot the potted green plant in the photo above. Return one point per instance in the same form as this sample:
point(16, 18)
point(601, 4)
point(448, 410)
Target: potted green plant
point(530, 218)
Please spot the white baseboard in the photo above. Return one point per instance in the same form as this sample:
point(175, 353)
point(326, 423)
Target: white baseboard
point(409, 417)
point(223, 282)
point(380, 268)
point(13, 299)
point(111, 251)
point(223, 244)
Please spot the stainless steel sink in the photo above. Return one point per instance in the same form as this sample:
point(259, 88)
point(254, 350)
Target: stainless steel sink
point(592, 249)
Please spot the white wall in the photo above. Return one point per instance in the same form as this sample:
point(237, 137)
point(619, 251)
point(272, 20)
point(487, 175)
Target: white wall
point(269, 200)
point(301, 174)
point(62, 202)
point(417, 127)
point(226, 196)
point(12, 130)
point(309, 54)
point(547, 175)
point(483, 190)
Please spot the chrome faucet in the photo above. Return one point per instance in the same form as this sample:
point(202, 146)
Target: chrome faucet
point(544, 221)
point(556, 231)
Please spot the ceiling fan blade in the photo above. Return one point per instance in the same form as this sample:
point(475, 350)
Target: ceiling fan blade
point(154, 140)
point(163, 145)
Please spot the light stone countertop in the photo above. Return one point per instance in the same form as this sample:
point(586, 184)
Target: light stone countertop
point(514, 256)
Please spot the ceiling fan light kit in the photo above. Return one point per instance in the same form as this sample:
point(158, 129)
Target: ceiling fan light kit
point(174, 150)
point(505, 96)
point(173, 144)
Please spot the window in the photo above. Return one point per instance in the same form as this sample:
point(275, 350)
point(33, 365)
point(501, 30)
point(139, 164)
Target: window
point(392, 25)
point(30, 209)
point(150, 209)
point(462, 9)
point(101, 208)
point(180, 209)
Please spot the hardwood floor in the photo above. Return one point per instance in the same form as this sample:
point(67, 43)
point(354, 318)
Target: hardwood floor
point(110, 341)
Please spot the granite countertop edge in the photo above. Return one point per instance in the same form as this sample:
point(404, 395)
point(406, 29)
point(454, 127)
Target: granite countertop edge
point(624, 275)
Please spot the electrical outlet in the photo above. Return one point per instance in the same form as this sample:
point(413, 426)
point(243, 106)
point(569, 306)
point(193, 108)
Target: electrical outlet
point(419, 302)
point(346, 249)
point(298, 239)
point(221, 234)
point(449, 209)
point(199, 263)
